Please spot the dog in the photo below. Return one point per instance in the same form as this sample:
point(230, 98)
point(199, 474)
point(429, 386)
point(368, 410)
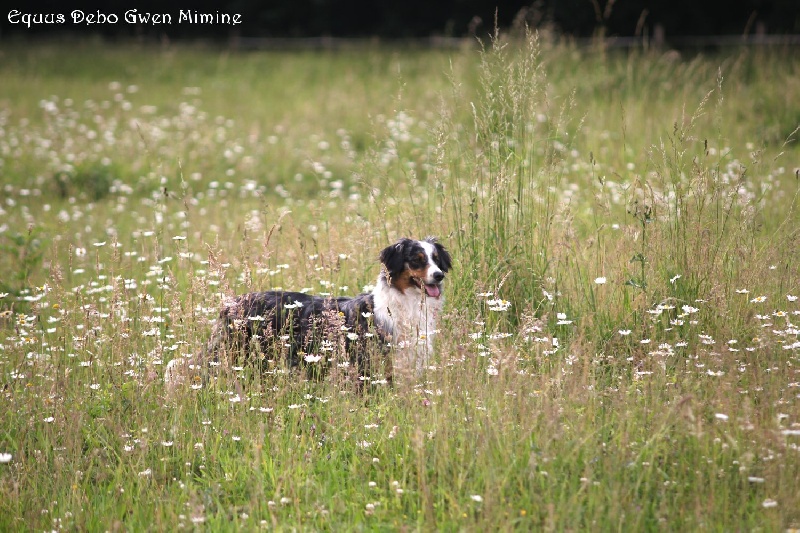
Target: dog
point(398, 318)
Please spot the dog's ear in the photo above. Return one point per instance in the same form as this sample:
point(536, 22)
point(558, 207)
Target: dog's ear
point(444, 262)
point(394, 258)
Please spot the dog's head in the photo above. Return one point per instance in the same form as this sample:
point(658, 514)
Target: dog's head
point(416, 265)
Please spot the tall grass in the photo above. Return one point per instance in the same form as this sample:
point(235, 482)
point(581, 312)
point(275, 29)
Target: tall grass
point(508, 182)
point(618, 350)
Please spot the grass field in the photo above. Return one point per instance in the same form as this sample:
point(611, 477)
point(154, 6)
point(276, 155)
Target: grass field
point(619, 350)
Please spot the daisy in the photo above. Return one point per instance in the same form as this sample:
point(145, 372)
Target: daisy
point(562, 319)
point(499, 305)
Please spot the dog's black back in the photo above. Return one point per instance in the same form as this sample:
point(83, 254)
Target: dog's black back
point(295, 325)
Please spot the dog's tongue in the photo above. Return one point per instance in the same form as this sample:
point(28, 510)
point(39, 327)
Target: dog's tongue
point(432, 290)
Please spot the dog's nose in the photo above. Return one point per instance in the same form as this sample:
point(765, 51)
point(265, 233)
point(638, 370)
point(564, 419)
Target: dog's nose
point(438, 276)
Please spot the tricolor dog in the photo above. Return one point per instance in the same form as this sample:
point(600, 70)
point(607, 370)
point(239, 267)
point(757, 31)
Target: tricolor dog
point(398, 318)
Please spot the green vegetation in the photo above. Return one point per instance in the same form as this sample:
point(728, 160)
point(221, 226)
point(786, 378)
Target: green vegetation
point(619, 349)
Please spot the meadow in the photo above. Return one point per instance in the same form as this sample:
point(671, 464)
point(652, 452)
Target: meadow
point(618, 350)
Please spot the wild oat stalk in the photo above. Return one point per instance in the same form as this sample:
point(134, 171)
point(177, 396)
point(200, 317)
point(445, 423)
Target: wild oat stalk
point(504, 173)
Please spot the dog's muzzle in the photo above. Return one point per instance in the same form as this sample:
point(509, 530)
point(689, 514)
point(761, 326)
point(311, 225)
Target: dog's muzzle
point(434, 290)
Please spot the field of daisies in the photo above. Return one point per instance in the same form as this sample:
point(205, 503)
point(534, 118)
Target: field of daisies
point(621, 343)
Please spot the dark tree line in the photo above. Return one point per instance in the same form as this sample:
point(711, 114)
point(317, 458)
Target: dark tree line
point(422, 18)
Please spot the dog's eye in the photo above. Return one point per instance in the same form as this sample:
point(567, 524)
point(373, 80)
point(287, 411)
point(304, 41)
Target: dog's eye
point(418, 260)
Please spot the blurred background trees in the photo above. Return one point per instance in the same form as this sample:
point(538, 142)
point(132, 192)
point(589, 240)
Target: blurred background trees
point(422, 18)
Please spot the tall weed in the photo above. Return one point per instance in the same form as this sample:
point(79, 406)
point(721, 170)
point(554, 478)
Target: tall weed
point(503, 178)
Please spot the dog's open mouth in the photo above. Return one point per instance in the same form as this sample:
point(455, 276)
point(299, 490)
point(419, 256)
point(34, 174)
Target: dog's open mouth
point(432, 290)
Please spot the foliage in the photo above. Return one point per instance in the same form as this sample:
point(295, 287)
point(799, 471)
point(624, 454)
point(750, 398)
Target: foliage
point(24, 253)
point(618, 349)
point(93, 180)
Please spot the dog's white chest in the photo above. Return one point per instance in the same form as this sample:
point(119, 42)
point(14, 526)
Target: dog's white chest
point(411, 318)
